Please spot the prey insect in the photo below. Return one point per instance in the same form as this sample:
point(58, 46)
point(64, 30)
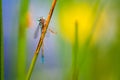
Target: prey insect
point(39, 28)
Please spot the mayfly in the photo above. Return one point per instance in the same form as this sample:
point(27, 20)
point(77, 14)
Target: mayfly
point(40, 28)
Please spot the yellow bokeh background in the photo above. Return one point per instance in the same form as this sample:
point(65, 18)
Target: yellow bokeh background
point(85, 16)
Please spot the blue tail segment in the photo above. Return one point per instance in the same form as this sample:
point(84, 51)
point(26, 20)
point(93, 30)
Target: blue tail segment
point(42, 59)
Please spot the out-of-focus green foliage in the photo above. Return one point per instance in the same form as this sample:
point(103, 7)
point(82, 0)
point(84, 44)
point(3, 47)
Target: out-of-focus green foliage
point(99, 61)
point(22, 39)
point(1, 46)
point(75, 55)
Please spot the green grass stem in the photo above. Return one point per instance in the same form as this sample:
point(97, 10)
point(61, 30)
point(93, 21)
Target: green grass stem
point(22, 39)
point(1, 45)
point(75, 54)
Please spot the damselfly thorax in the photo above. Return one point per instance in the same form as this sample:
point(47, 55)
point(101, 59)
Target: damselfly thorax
point(42, 23)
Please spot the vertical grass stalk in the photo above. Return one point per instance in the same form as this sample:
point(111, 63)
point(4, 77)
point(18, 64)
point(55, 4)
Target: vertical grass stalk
point(40, 41)
point(75, 54)
point(22, 39)
point(1, 45)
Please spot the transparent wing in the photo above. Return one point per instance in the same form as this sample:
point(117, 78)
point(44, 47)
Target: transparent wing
point(47, 34)
point(37, 31)
point(52, 30)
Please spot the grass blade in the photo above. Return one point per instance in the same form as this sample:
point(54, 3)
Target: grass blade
point(22, 39)
point(1, 45)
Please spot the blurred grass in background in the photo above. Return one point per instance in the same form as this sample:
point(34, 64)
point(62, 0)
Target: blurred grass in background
point(1, 45)
point(22, 52)
point(87, 46)
point(96, 32)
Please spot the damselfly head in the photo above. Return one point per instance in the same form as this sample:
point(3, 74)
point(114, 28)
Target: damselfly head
point(42, 20)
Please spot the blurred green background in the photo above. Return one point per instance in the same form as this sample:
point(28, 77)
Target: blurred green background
point(86, 46)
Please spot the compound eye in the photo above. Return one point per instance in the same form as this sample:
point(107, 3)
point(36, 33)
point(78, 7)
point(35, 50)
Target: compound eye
point(40, 20)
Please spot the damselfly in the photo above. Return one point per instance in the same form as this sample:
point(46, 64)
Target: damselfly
point(39, 28)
